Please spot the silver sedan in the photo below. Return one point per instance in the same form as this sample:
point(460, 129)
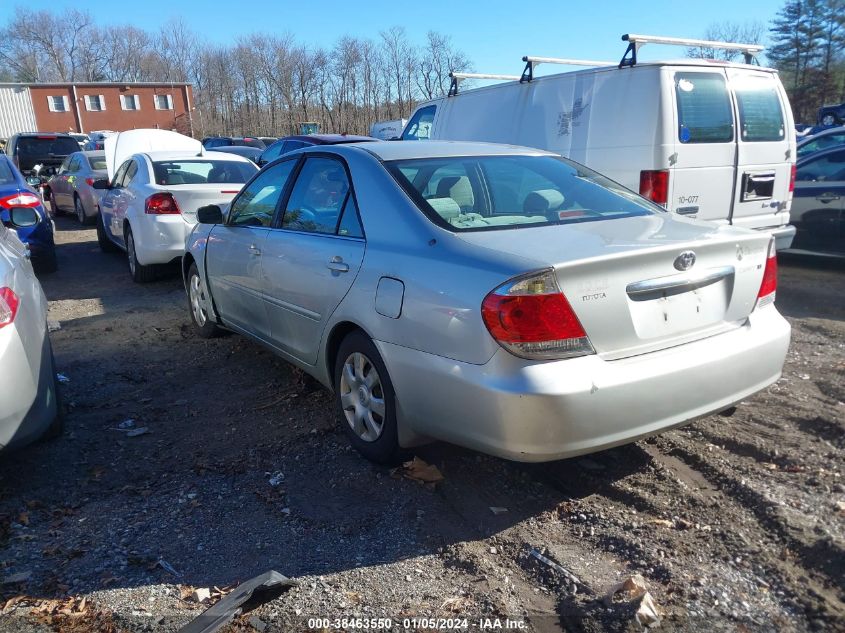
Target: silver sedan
point(72, 186)
point(500, 298)
point(28, 391)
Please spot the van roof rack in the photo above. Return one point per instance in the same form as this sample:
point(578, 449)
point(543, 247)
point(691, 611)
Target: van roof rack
point(457, 78)
point(532, 62)
point(635, 41)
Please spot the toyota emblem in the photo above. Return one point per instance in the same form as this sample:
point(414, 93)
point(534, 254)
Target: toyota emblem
point(685, 260)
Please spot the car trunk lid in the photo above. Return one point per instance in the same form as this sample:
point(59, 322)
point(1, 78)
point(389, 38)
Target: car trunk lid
point(192, 197)
point(647, 283)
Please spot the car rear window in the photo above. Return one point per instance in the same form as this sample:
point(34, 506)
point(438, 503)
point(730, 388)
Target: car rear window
point(704, 108)
point(46, 146)
point(198, 172)
point(97, 162)
point(480, 193)
point(760, 112)
point(6, 175)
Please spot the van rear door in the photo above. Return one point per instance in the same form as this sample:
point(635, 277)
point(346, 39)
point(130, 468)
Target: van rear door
point(702, 164)
point(765, 150)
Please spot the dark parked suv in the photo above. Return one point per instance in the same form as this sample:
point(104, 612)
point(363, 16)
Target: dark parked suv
point(832, 114)
point(30, 149)
point(290, 143)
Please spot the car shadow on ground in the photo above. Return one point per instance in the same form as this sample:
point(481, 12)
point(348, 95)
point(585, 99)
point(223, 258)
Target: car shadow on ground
point(804, 279)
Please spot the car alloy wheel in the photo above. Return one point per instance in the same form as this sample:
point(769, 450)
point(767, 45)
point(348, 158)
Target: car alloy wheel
point(198, 301)
point(362, 397)
point(828, 119)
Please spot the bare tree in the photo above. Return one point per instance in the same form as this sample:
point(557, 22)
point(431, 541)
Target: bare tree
point(742, 33)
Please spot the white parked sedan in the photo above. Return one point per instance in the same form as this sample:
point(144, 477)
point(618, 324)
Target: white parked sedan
point(501, 298)
point(28, 391)
point(157, 180)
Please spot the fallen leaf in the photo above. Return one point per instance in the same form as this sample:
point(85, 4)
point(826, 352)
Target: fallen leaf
point(663, 522)
point(23, 518)
point(418, 470)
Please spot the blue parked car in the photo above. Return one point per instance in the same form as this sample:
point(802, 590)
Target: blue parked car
point(35, 231)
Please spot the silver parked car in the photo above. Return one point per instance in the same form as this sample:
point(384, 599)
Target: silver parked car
point(501, 298)
point(72, 186)
point(28, 392)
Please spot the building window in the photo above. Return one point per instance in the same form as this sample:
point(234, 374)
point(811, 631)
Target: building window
point(130, 102)
point(57, 104)
point(95, 103)
point(164, 102)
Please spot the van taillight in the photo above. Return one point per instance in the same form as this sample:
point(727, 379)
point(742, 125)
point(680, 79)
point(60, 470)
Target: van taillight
point(769, 285)
point(161, 204)
point(654, 185)
point(8, 306)
point(531, 318)
point(792, 178)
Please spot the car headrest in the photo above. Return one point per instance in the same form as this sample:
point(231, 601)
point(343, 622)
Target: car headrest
point(542, 201)
point(459, 189)
point(446, 208)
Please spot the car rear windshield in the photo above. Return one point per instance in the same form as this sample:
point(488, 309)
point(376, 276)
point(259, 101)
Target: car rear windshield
point(46, 146)
point(760, 113)
point(704, 108)
point(97, 162)
point(479, 193)
point(198, 172)
point(6, 175)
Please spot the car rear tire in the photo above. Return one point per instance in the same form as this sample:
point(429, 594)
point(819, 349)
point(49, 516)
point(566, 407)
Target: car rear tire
point(141, 274)
point(79, 208)
point(366, 400)
point(829, 119)
point(106, 245)
point(54, 208)
point(198, 306)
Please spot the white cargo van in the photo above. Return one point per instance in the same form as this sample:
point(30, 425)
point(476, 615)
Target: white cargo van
point(706, 139)
point(388, 130)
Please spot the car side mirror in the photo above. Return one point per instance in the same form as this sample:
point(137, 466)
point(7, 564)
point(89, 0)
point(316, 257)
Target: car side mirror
point(34, 181)
point(210, 214)
point(23, 217)
point(101, 183)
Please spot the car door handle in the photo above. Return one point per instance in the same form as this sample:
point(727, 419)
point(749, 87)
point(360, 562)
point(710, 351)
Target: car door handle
point(254, 250)
point(827, 197)
point(337, 264)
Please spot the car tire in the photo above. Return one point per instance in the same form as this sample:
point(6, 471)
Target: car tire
point(57, 426)
point(366, 400)
point(106, 245)
point(829, 119)
point(203, 325)
point(79, 208)
point(54, 208)
point(141, 274)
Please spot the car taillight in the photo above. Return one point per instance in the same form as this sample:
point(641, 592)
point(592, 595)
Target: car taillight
point(654, 185)
point(531, 318)
point(89, 182)
point(792, 177)
point(161, 204)
point(769, 285)
point(8, 306)
point(20, 199)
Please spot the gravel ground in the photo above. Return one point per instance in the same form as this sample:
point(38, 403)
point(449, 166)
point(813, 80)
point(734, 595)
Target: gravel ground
point(734, 524)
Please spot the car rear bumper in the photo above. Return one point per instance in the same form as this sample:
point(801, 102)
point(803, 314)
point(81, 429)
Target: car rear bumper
point(783, 236)
point(160, 239)
point(543, 411)
point(28, 399)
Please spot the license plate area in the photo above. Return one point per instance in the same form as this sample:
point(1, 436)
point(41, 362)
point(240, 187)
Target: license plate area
point(758, 186)
point(670, 312)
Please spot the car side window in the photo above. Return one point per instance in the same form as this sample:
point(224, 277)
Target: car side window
point(130, 173)
point(73, 166)
point(272, 152)
point(829, 168)
point(65, 166)
point(317, 198)
point(350, 223)
point(117, 181)
point(256, 203)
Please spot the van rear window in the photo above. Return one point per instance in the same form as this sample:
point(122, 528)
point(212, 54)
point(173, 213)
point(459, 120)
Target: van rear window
point(760, 114)
point(704, 108)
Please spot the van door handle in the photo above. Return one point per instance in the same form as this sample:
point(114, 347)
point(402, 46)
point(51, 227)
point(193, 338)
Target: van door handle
point(337, 264)
point(254, 250)
point(827, 197)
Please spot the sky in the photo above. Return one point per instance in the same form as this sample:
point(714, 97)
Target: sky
point(493, 34)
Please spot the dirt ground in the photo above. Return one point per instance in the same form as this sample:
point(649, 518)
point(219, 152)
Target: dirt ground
point(735, 524)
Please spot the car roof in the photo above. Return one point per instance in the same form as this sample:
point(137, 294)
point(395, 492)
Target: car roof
point(834, 130)
point(158, 156)
point(402, 150)
point(93, 153)
point(328, 139)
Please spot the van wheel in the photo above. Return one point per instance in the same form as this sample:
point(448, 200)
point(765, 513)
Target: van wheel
point(367, 402)
point(140, 274)
point(106, 245)
point(198, 306)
